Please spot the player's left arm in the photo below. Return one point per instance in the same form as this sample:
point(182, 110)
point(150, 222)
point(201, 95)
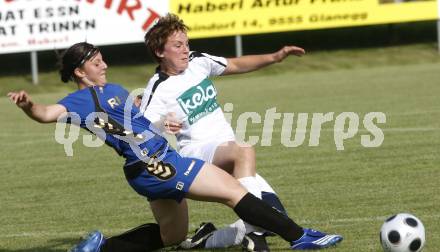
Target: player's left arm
point(251, 63)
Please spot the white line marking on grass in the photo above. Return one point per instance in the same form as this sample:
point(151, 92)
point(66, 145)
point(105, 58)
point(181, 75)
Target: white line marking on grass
point(193, 226)
point(366, 219)
point(414, 112)
point(25, 134)
point(360, 130)
point(406, 129)
point(59, 234)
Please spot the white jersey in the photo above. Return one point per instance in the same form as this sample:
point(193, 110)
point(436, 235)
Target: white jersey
point(193, 97)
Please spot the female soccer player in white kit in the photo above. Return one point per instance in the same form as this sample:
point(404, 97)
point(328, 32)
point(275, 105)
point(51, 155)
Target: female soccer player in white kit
point(181, 98)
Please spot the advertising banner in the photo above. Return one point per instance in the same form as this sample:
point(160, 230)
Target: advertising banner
point(210, 18)
point(33, 25)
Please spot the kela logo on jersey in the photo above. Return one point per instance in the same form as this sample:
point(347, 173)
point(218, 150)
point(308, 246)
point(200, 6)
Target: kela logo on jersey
point(199, 101)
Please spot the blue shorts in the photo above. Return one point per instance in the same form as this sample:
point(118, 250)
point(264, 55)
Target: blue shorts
point(167, 179)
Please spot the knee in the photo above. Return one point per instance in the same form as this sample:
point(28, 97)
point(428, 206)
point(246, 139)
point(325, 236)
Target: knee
point(244, 164)
point(235, 192)
point(174, 232)
point(173, 238)
point(247, 153)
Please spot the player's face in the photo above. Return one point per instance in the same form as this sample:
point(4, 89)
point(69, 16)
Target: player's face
point(95, 70)
point(175, 54)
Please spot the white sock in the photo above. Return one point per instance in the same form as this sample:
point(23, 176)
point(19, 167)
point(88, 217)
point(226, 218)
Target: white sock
point(234, 234)
point(263, 185)
point(228, 236)
point(252, 185)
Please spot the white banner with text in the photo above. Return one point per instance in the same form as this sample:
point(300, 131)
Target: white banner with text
point(34, 25)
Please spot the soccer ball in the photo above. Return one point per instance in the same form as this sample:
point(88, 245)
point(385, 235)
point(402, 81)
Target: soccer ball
point(402, 233)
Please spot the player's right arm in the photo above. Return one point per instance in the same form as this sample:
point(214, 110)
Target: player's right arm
point(156, 112)
point(38, 112)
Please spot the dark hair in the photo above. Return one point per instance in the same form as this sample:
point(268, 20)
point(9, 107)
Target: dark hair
point(75, 56)
point(157, 36)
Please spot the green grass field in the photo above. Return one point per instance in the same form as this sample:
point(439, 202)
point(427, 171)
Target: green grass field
point(48, 200)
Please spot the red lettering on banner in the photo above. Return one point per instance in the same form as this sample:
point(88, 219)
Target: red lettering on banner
point(153, 16)
point(45, 41)
point(8, 44)
point(123, 6)
point(130, 9)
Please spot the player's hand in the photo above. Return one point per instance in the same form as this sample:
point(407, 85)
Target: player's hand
point(172, 125)
point(289, 50)
point(21, 98)
point(137, 101)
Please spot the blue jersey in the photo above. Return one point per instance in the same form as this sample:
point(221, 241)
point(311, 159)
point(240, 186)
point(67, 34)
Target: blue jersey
point(135, 138)
point(152, 168)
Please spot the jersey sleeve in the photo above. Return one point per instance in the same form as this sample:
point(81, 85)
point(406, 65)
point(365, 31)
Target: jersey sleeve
point(70, 103)
point(73, 104)
point(80, 102)
point(214, 64)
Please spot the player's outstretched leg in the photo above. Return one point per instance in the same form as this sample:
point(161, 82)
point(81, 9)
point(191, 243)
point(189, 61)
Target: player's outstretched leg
point(198, 240)
point(143, 238)
point(312, 239)
point(253, 210)
point(232, 235)
point(91, 243)
point(255, 242)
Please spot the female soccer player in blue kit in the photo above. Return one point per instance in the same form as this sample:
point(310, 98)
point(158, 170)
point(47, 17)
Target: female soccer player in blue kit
point(152, 168)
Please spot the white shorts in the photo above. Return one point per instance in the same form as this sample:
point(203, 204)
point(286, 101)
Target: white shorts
point(202, 150)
